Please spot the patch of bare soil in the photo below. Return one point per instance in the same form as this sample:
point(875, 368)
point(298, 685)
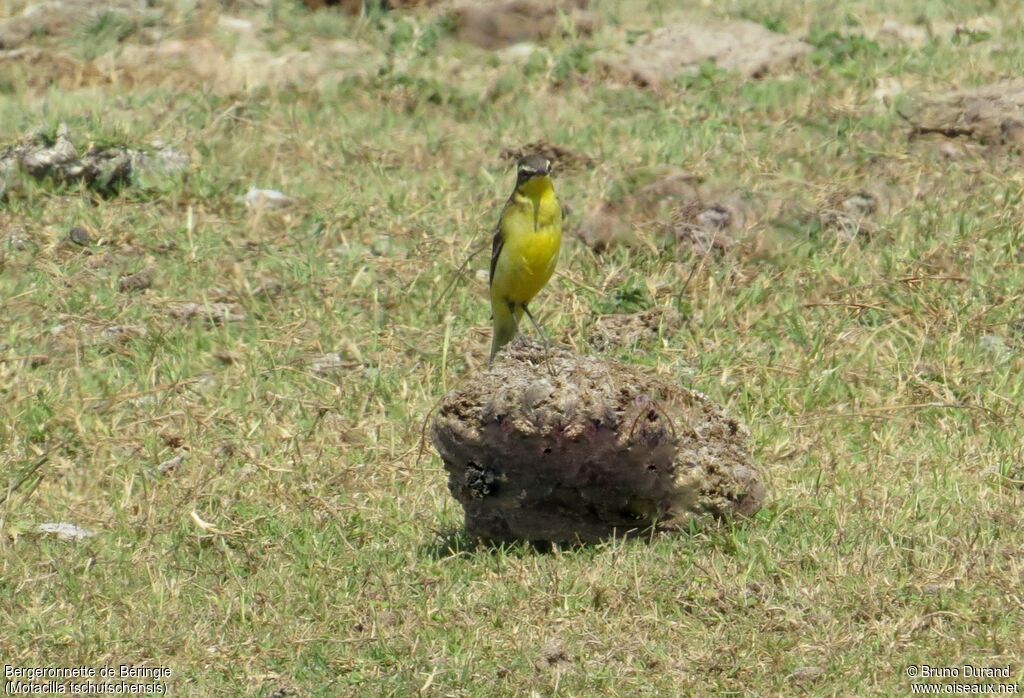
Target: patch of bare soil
point(53, 18)
point(991, 115)
point(669, 52)
point(148, 57)
point(550, 446)
point(891, 31)
point(43, 68)
point(495, 25)
point(355, 7)
point(251, 66)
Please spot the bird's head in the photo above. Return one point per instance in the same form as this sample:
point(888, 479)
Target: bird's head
point(531, 167)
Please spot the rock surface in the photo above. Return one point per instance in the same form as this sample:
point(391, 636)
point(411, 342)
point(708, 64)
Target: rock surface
point(104, 170)
point(550, 446)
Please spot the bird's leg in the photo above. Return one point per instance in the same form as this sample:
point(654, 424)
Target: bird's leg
point(544, 337)
point(536, 326)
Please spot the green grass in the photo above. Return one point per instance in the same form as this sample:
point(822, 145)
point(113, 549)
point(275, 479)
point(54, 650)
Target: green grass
point(305, 544)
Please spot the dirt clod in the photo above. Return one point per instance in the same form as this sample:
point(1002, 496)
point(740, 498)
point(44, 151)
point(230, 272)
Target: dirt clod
point(550, 446)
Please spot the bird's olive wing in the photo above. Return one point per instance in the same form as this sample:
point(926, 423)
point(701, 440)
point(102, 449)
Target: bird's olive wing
point(498, 242)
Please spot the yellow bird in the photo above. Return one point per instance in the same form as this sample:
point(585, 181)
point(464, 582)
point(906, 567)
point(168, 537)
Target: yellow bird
point(525, 247)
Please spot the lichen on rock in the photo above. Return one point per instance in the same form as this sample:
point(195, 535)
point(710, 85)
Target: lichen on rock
point(550, 446)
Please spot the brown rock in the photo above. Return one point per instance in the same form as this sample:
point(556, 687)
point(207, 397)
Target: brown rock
point(550, 446)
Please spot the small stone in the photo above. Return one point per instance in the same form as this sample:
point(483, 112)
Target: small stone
point(806, 674)
point(169, 466)
point(80, 236)
point(331, 363)
point(950, 150)
point(216, 313)
point(122, 334)
point(861, 204)
point(995, 344)
point(268, 199)
point(66, 531)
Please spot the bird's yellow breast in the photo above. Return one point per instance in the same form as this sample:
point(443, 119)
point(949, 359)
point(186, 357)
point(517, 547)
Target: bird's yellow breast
point(532, 230)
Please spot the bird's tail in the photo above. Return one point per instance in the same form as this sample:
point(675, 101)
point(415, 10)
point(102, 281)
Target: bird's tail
point(506, 324)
